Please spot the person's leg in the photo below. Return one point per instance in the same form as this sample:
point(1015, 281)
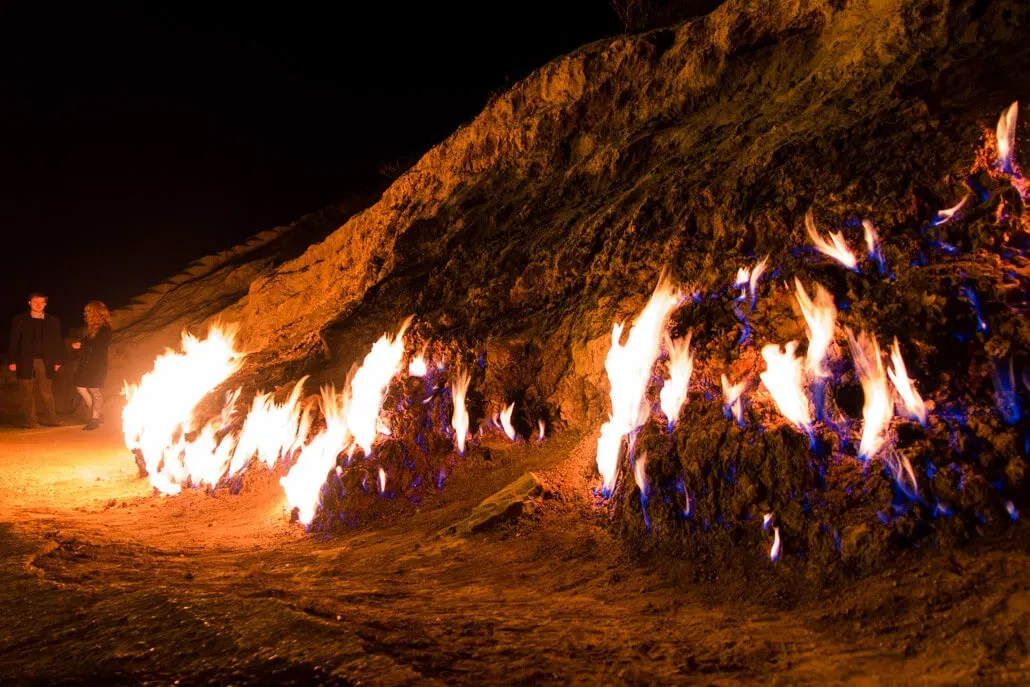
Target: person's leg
point(98, 403)
point(46, 390)
point(87, 397)
point(28, 402)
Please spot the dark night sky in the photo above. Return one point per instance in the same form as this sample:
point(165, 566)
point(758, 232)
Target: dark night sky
point(134, 139)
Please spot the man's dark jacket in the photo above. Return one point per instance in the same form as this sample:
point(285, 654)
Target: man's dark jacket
point(18, 352)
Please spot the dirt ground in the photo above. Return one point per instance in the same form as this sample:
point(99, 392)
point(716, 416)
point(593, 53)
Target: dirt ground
point(105, 583)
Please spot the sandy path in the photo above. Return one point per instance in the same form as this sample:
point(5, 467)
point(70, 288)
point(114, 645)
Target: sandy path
point(105, 582)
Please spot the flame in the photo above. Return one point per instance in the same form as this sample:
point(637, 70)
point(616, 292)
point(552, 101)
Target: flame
point(460, 419)
point(629, 371)
point(783, 379)
point(836, 247)
point(506, 421)
point(640, 476)
point(304, 481)
point(748, 278)
point(878, 406)
point(417, 367)
point(271, 430)
point(369, 384)
point(774, 551)
point(733, 398)
point(681, 367)
point(158, 413)
point(766, 519)
point(913, 402)
point(948, 214)
point(382, 481)
point(1006, 137)
point(872, 243)
point(820, 322)
point(540, 428)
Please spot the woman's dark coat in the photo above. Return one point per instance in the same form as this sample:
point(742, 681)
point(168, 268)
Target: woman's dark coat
point(92, 369)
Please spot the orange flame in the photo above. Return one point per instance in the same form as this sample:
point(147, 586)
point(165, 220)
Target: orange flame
point(304, 481)
point(681, 367)
point(271, 430)
point(158, 413)
point(369, 385)
point(460, 418)
point(913, 402)
point(417, 367)
point(878, 407)
point(783, 379)
point(820, 322)
point(506, 421)
point(629, 371)
point(732, 398)
point(836, 248)
point(1006, 136)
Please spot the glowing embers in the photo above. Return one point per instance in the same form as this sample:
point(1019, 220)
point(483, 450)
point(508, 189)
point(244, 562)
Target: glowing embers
point(629, 368)
point(677, 384)
point(836, 248)
point(783, 380)
point(158, 413)
point(460, 416)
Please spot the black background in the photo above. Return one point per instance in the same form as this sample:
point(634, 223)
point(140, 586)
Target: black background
point(137, 138)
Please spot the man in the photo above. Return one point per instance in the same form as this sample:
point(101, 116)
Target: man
point(35, 353)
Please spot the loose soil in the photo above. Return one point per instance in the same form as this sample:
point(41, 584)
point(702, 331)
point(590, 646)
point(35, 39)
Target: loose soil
point(106, 583)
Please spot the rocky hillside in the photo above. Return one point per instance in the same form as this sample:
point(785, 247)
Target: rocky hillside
point(695, 150)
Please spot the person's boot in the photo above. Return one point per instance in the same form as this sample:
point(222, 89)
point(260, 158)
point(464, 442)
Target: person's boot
point(91, 425)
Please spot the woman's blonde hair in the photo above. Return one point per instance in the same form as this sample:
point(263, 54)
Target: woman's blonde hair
point(97, 315)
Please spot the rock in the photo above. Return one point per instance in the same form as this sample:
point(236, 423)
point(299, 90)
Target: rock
point(505, 505)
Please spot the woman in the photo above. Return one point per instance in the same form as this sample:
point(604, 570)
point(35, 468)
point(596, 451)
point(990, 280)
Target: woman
point(89, 377)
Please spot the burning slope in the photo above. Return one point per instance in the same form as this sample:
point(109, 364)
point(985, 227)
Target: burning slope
point(545, 221)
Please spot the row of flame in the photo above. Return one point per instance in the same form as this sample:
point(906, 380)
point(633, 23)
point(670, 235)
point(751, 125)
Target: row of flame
point(158, 418)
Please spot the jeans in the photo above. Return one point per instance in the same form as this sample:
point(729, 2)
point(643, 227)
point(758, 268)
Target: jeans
point(94, 400)
point(46, 391)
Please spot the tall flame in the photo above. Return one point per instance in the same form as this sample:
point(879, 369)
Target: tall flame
point(629, 370)
point(681, 367)
point(303, 483)
point(460, 418)
point(158, 412)
point(271, 430)
point(878, 406)
point(1006, 137)
point(783, 379)
point(820, 322)
point(369, 385)
point(836, 248)
point(506, 425)
point(913, 402)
